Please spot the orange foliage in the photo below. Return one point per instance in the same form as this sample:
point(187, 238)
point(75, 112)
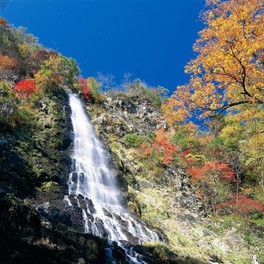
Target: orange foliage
point(146, 149)
point(160, 146)
point(3, 22)
point(6, 62)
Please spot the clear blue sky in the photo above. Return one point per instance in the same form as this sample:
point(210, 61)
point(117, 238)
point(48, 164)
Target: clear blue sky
point(152, 39)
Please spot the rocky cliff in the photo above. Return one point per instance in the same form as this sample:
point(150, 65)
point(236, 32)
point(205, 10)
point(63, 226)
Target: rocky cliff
point(166, 201)
point(37, 226)
point(35, 163)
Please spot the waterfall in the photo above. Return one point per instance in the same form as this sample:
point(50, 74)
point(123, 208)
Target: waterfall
point(92, 183)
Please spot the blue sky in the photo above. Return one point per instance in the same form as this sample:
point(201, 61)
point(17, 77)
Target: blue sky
point(152, 39)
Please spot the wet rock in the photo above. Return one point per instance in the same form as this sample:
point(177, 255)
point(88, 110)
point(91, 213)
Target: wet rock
point(119, 255)
point(255, 260)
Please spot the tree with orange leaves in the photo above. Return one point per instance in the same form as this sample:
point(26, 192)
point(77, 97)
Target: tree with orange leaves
point(6, 62)
point(161, 147)
point(228, 72)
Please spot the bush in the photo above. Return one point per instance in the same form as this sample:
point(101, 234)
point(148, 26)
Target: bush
point(56, 73)
point(133, 140)
point(242, 205)
point(25, 87)
point(8, 103)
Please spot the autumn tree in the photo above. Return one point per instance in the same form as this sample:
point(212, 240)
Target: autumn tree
point(25, 87)
point(18, 45)
point(213, 182)
point(161, 147)
point(228, 71)
point(56, 73)
point(84, 89)
point(6, 62)
point(6, 66)
point(241, 205)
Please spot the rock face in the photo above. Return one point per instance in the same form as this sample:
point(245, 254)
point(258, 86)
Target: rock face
point(119, 116)
point(167, 203)
point(35, 225)
point(29, 152)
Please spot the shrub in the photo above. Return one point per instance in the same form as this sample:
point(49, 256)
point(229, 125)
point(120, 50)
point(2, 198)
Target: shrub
point(133, 140)
point(25, 87)
point(8, 103)
point(242, 205)
point(85, 89)
point(56, 73)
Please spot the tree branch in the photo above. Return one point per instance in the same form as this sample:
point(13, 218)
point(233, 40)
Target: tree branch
point(244, 74)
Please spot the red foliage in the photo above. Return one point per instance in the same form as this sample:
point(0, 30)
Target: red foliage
point(25, 87)
point(186, 159)
point(161, 146)
point(241, 204)
point(85, 89)
point(221, 170)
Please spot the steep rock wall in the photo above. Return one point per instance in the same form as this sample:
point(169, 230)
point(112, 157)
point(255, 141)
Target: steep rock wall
point(35, 227)
point(166, 203)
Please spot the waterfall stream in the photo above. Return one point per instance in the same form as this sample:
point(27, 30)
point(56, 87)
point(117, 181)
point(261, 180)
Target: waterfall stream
point(92, 179)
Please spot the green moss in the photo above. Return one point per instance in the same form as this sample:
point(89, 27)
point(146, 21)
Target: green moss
point(114, 146)
point(160, 250)
point(48, 186)
point(113, 138)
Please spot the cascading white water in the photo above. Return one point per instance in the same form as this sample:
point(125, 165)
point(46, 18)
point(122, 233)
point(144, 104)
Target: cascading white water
point(92, 179)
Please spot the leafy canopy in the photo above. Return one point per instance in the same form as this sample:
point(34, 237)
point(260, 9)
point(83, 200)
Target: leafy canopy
point(229, 69)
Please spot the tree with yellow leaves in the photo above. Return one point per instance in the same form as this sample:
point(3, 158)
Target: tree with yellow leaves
point(228, 72)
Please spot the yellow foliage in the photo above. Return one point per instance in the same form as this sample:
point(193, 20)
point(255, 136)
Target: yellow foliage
point(228, 70)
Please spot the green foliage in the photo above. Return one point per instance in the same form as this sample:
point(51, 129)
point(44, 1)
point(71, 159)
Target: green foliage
point(8, 103)
point(185, 142)
point(23, 118)
point(57, 73)
point(95, 87)
point(155, 95)
point(215, 147)
point(160, 250)
point(48, 186)
point(133, 140)
point(12, 114)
